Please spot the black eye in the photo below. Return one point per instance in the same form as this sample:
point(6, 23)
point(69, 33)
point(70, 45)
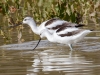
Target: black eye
point(25, 19)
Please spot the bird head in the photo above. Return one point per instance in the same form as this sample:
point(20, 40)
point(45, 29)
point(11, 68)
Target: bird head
point(27, 20)
point(43, 33)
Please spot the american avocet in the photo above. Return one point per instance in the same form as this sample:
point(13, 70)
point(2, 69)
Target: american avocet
point(51, 24)
point(65, 35)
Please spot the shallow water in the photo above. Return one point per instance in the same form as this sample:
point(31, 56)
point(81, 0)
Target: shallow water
point(51, 59)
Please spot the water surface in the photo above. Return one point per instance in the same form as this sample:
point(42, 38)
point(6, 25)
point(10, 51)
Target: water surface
point(51, 59)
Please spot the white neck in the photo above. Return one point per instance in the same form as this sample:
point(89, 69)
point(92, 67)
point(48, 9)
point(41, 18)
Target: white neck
point(34, 27)
point(49, 36)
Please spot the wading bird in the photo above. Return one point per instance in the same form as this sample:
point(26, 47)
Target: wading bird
point(65, 35)
point(51, 25)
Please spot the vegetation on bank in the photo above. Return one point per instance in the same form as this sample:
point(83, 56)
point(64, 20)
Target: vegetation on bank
point(13, 11)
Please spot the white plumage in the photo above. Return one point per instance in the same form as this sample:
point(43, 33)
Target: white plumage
point(66, 35)
point(51, 24)
point(57, 30)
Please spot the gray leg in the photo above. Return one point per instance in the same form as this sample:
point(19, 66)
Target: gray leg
point(70, 45)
